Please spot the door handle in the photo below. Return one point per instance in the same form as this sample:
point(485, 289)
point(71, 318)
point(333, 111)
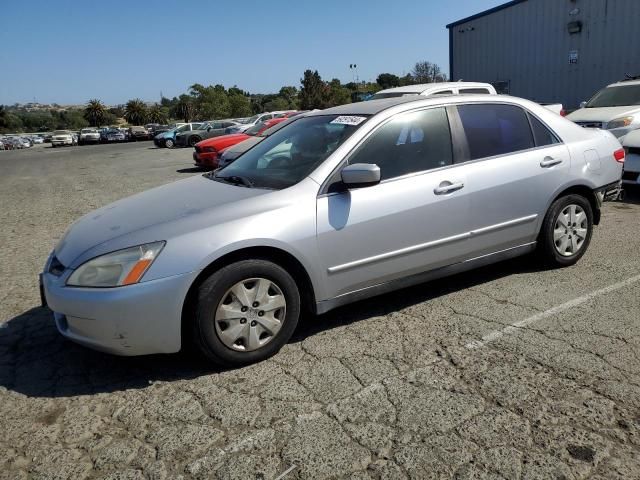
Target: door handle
point(550, 162)
point(447, 187)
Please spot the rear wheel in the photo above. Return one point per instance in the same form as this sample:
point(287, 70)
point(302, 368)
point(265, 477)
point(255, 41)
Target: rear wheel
point(193, 140)
point(245, 312)
point(566, 231)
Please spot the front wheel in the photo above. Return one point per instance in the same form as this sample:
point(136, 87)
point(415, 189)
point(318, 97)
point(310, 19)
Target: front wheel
point(169, 143)
point(245, 312)
point(566, 231)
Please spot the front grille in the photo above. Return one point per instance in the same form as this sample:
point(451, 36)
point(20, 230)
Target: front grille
point(591, 124)
point(56, 267)
point(631, 176)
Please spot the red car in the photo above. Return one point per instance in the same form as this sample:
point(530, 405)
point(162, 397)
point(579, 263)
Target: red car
point(207, 152)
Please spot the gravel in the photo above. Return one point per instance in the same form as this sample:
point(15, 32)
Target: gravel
point(386, 388)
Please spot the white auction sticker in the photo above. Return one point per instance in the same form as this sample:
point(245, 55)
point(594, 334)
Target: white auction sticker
point(349, 120)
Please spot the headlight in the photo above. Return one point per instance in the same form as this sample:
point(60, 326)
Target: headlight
point(115, 269)
point(209, 150)
point(620, 122)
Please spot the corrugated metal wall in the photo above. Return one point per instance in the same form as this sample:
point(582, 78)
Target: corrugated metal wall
point(528, 45)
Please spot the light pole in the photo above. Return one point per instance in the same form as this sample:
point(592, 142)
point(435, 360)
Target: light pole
point(354, 76)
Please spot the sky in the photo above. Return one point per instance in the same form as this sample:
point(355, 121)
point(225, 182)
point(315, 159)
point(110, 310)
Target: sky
point(69, 52)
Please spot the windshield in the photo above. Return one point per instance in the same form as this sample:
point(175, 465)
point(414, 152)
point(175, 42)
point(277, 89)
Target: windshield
point(616, 97)
point(381, 95)
point(253, 119)
point(88, 130)
point(61, 132)
point(255, 129)
point(290, 154)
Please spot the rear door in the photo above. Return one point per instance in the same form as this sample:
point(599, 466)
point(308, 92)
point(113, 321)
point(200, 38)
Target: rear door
point(514, 163)
point(415, 220)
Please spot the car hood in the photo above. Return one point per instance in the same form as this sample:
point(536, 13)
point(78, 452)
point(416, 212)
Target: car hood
point(158, 206)
point(632, 139)
point(223, 141)
point(244, 145)
point(604, 114)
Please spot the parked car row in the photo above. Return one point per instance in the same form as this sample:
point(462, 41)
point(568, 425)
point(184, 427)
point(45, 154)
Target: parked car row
point(17, 142)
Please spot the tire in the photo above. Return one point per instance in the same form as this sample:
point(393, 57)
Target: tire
point(566, 231)
point(248, 341)
point(193, 140)
point(169, 143)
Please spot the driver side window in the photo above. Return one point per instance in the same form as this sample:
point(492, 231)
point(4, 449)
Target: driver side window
point(411, 142)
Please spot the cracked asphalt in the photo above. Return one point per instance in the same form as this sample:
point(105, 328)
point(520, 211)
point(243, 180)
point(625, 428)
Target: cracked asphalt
point(382, 389)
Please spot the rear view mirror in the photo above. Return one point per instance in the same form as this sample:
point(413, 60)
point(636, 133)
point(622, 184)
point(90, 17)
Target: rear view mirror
point(360, 175)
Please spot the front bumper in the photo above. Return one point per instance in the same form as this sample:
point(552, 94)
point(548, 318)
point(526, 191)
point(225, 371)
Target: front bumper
point(206, 159)
point(62, 142)
point(139, 319)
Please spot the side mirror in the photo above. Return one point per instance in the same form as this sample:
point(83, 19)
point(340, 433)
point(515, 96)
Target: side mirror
point(208, 129)
point(360, 175)
point(583, 104)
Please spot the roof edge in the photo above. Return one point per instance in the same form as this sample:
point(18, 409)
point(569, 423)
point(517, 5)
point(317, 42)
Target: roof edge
point(486, 12)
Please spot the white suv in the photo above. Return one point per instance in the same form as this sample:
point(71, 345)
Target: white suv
point(615, 108)
point(437, 89)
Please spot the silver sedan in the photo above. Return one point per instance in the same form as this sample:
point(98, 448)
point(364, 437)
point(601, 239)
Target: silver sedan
point(337, 206)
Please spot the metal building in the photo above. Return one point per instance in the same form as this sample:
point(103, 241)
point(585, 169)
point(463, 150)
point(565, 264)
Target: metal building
point(548, 50)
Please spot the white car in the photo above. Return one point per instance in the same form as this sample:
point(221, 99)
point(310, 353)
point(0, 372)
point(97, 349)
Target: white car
point(437, 89)
point(631, 144)
point(615, 108)
point(63, 137)
point(250, 122)
point(89, 135)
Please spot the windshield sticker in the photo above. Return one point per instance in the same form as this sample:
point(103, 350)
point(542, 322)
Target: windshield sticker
point(348, 120)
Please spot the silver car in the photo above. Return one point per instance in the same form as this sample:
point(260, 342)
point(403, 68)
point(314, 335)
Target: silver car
point(359, 200)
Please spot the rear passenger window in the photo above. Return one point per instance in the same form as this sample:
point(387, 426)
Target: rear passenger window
point(473, 90)
point(542, 135)
point(411, 142)
point(495, 129)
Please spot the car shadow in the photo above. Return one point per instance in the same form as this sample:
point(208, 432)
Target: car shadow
point(36, 361)
point(192, 170)
point(631, 194)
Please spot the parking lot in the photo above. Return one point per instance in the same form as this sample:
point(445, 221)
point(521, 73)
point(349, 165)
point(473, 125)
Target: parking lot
point(510, 371)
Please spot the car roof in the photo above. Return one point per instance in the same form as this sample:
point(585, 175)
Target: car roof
point(424, 87)
point(370, 107)
point(373, 107)
point(624, 83)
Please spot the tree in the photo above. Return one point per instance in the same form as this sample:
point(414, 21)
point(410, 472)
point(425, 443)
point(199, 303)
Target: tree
point(314, 92)
point(95, 112)
point(388, 80)
point(184, 108)
point(240, 105)
point(135, 112)
point(158, 114)
point(290, 95)
point(338, 95)
point(427, 72)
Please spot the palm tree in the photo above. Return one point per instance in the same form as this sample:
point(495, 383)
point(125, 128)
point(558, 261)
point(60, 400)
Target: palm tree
point(95, 112)
point(135, 112)
point(157, 114)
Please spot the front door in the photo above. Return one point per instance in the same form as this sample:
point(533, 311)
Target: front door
point(415, 220)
